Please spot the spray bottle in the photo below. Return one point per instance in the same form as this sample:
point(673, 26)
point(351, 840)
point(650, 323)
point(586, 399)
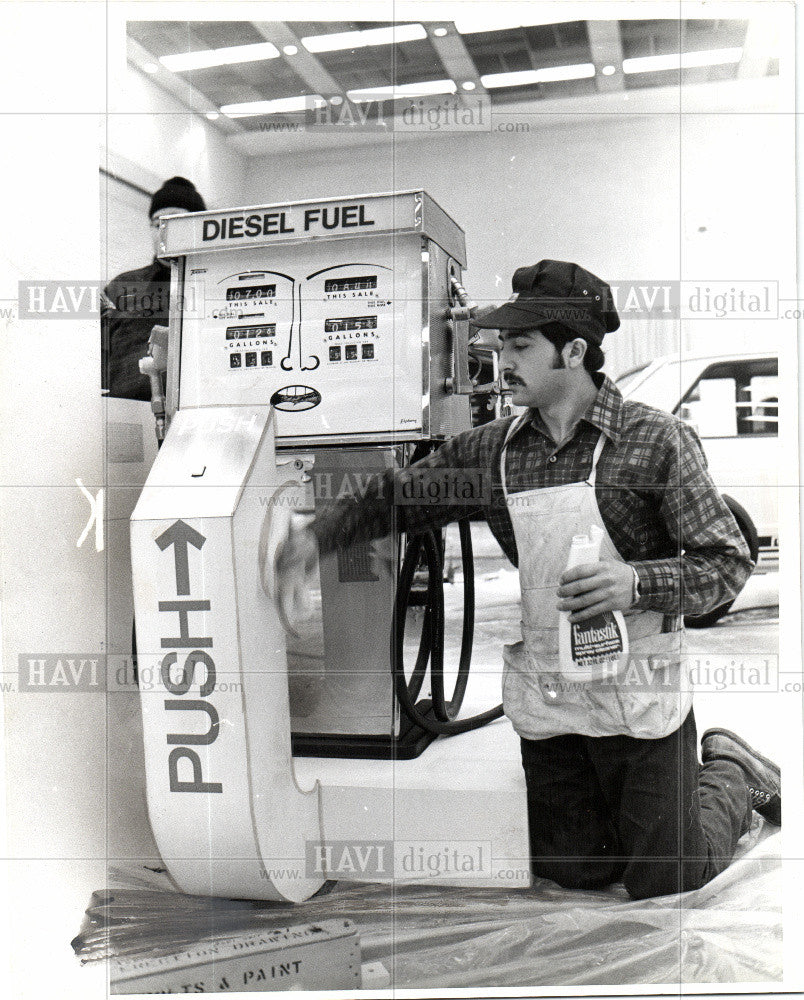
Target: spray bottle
point(593, 649)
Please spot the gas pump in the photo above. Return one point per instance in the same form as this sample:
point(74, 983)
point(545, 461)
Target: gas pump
point(311, 344)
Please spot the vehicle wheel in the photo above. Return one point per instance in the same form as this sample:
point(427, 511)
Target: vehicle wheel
point(746, 526)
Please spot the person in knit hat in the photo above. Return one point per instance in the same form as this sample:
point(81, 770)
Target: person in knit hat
point(136, 301)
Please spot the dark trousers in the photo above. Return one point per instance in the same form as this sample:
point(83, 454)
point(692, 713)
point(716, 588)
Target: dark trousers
point(645, 812)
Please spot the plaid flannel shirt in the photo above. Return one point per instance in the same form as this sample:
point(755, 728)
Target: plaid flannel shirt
point(662, 511)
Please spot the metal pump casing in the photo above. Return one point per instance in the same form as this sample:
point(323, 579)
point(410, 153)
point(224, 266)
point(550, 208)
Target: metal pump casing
point(341, 315)
point(335, 311)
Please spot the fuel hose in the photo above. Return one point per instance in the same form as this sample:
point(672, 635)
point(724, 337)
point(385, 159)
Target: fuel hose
point(431, 643)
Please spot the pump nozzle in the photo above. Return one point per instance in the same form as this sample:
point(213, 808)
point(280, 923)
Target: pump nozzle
point(154, 364)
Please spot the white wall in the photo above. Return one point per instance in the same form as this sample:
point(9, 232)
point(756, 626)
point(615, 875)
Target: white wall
point(148, 137)
point(73, 769)
point(51, 590)
point(125, 234)
point(623, 195)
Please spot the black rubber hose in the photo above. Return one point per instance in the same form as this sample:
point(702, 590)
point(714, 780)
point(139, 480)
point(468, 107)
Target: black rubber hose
point(446, 711)
point(435, 596)
point(410, 565)
point(430, 630)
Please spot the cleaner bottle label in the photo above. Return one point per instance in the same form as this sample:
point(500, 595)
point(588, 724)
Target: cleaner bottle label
point(597, 640)
point(592, 649)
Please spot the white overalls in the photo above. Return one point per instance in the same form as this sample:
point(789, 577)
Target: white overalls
point(651, 695)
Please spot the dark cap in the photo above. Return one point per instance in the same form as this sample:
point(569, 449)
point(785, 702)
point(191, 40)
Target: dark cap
point(177, 192)
point(558, 292)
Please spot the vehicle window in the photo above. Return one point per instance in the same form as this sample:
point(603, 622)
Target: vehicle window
point(660, 388)
point(629, 378)
point(734, 399)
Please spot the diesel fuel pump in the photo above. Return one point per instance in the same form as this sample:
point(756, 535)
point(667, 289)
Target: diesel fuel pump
point(311, 344)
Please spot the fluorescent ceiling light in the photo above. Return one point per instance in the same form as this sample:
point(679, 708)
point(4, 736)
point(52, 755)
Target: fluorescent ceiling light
point(470, 24)
point(549, 74)
point(360, 39)
point(403, 91)
point(184, 61)
point(280, 106)
point(581, 71)
point(150, 67)
point(683, 60)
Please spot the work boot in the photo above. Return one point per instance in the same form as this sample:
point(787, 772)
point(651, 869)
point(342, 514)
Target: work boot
point(762, 776)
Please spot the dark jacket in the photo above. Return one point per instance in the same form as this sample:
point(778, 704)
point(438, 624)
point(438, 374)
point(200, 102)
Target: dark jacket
point(138, 300)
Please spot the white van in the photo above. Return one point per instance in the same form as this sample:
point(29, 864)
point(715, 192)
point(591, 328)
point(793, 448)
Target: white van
point(732, 401)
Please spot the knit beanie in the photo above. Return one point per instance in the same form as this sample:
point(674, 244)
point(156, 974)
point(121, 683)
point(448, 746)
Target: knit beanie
point(177, 192)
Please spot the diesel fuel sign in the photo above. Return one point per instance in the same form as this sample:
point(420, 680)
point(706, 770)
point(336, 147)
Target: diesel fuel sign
point(315, 220)
point(287, 223)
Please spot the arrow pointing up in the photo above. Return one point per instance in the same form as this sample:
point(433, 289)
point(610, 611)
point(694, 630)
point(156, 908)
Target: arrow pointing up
point(180, 535)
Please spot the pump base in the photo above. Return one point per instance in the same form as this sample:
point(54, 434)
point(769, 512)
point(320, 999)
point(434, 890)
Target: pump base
point(411, 742)
point(466, 794)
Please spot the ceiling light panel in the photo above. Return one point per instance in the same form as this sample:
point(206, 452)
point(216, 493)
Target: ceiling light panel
point(475, 22)
point(183, 62)
point(529, 77)
point(281, 106)
point(683, 60)
point(394, 35)
point(403, 91)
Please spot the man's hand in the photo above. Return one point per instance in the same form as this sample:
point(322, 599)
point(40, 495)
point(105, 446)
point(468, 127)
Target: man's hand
point(296, 558)
point(592, 588)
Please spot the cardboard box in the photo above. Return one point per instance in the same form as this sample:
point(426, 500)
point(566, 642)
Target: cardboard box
point(322, 956)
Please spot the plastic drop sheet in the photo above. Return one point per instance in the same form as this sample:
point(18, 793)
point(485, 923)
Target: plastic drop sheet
point(730, 931)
